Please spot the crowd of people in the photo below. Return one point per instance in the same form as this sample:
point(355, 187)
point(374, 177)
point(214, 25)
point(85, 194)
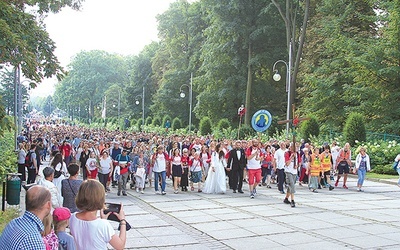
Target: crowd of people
point(121, 160)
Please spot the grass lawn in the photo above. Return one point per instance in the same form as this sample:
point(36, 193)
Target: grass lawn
point(381, 176)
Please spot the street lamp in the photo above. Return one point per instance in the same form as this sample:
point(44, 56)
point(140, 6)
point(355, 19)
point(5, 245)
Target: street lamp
point(277, 77)
point(137, 103)
point(182, 95)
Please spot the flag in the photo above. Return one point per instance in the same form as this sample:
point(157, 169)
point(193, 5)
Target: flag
point(103, 112)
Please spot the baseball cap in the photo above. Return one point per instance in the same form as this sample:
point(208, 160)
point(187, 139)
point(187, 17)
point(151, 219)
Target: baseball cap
point(61, 213)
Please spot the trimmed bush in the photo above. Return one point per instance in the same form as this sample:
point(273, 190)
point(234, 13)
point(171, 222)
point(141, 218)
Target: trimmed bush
point(309, 128)
point(148, 120)
point(139, 124)
point(176, 124)
point(223, 124)
point(354, 129)
point(205, 126)
point(384, 169)
point(156, 121)
point(246, 131)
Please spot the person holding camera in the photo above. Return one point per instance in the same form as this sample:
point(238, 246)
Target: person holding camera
point(89, 231)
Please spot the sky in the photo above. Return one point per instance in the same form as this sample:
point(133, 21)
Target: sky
point(115, 26)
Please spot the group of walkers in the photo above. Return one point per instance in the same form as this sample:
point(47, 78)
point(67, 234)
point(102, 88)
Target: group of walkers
point(195, 164)
point(117, 158)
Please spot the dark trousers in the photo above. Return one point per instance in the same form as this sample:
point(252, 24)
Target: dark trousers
point(103, 178)
point(21, 170)
point(84, 173)
point(31, 176)
point(281, 178)
point(236, 179)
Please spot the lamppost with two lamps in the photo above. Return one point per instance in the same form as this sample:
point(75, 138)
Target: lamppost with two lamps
point(182, 95)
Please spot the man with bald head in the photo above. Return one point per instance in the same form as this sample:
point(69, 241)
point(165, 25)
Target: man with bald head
point(24, 232)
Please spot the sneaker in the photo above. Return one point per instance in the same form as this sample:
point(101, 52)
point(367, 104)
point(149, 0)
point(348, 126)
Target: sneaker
point(108, 189)
point(163, 193)
point(282, 192)
point(361, 190)
point(254, 191)
point(336, 183)
point(176, 191)
point(118, 193)
point(268, 186)
point(259, 184)
point(124, 194)
point(157, 192)
point(292, 204)
point(142, 192)
point(264, 184)
point(252, 196)
point(331, 188)
point(241, 191)
point(315, 191)
point(234, 191)
point(137, 190)
point(345, 187)
point(199, 191)
point(319, 186)
point(286, 201)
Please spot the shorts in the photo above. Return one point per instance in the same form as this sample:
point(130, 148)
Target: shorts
point(195, 177)
point(93, 174)
point(177, 170)
point(343, 167)
point(326, 173)
point(265, 171)
point(254, 175)
point(291, 181)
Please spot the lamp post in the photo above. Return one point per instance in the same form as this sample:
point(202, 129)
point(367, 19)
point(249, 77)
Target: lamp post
point(182, 95)
point(277, 77)
point(137, 103)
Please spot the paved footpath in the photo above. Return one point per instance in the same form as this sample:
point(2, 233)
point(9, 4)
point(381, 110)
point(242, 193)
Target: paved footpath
point(338, 219)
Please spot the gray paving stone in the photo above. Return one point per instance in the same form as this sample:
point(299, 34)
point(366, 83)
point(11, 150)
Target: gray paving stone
point(371, 242)
point(253, 242)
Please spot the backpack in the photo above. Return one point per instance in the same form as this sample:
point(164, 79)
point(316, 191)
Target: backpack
point(28, 160)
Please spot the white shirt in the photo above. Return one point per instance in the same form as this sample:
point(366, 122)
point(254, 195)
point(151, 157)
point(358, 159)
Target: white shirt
point(160, 163)
point(95, 234)
point(105, 167)
point(280, 158)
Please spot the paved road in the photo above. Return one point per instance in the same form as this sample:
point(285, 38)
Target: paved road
point(339, 219)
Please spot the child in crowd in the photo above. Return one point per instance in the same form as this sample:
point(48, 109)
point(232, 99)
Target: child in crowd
point(61, 217)
point(49, 237)
point(314, 170)
point(196, 169)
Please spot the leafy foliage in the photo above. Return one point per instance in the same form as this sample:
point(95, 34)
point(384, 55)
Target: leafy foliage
point(223, 124)
point(156, 121)
point(176, 124)
point(354, 130)
point(8, 163)
point(309, 128)
point(205, 127)
point(148, 120)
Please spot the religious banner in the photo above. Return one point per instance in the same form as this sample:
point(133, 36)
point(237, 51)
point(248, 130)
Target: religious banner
point(261, 120)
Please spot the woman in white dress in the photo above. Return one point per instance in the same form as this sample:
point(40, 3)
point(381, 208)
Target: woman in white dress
point(60, 172)
point(216, 178)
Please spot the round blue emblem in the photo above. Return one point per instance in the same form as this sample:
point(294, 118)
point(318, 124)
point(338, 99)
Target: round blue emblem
point(261, 120)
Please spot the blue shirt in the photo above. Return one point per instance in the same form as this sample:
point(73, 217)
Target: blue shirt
point(23, 233)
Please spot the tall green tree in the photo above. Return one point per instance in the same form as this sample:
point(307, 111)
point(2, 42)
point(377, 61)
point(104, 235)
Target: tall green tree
point(91, 74)
point(340, 35)
point(181, 33)
point(242, 42)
